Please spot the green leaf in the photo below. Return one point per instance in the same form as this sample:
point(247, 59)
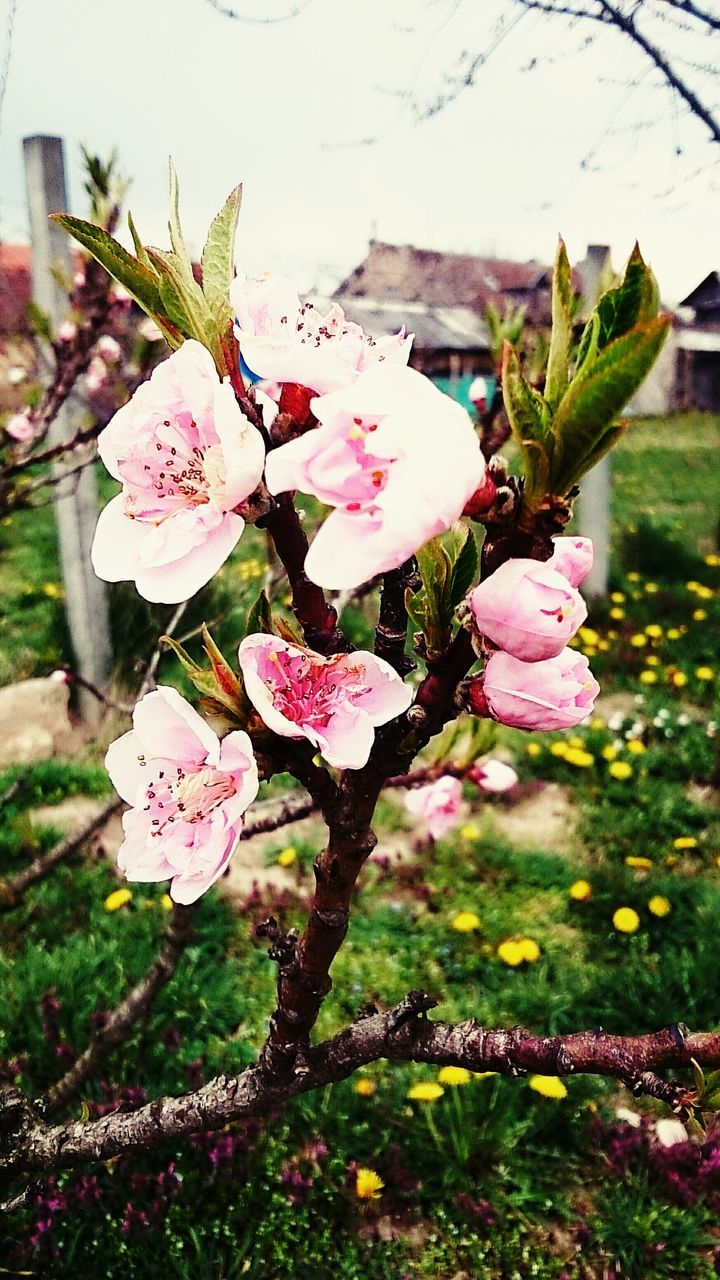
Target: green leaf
point(591, 404)
point(635, 299)
point(207, 682)
point(562, 296)
point(217, 256)
point(588, 348)
point(40, 321)
point(140, 250)
point(228, 681)
point(709, 1099)
point(521, 402)
point(176, 236)
point(464, 570)
point(260, 617)
point(182, 292)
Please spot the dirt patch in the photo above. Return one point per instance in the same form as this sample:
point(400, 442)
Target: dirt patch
point(73, 814)
point(544, 817)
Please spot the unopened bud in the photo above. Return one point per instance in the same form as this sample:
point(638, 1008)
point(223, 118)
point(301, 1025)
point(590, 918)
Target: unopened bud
point(472, 698)
point(481, 500)
point(295, 401)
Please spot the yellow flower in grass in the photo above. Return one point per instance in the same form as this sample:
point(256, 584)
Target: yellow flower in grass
point(368, 1184)
point(425, 1091)
point(678, 679)
point(626, 920)
point(548, 1086)
point(648, 677)
point(581, 759)
point(651, 588)
point(597, 722)
point(673, 634)
point(588, 635)
point(517, 951)
point(53, 591)
point(166, 902)
point(699, 615)
point(465, 921)
point(470, 832)
point(652, 660)
point(712, 560)
point(685, 842)
point(659, 906)
point(638, 641)
point(618, 597)
point(654, 631)
point(633, 576)
point(117, 899)
point(365, 1087)
point(533, 749)
point(559, 749)
point(617, 614)
point(454, 1075)
point(704, 673)
point(609, 752)
point(620, 769)
point(638, 863)
point(704, 593)
point(287, 857)
point(636, 747)
point(576, 742)
point(580, 891)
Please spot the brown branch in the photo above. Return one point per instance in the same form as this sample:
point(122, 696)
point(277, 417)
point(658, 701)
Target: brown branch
point(317, 618)
point(391, 631)
point(12, 890)
point(131, 1010)
point(402, 1034)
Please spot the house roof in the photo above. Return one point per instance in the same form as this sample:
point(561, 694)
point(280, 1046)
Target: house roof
point(436, 328)
point(704, 295)
point(15, 287)
point(407, 274)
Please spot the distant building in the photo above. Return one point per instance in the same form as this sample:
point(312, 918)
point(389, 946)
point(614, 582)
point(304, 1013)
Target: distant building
point(698, 348)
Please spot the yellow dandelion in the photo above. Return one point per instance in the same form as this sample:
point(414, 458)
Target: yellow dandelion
point(287, 857)
point(166, 902)
point(548, 1086)
point(704, 673)
point(580, 891)
point(712, 560)
point(699, 615)
point(589, 651)
point(626, 920)
point(365, 1087)
point(609, 752)
point(618, 597)
point(530, 950)
point(368, 1184)
point(648, 677)
point(633, 576)
point(53, 591)
point(638, 641)
point(612, 635)
point(704, 593)
point(603, 646)
point(454, 1075)
point(559, 749)
point(685, 842)
point(673, 634)
point(533, 749)
point(678, 679)
point(588, 635)
point(617, 614)
point(692, 585)
point(638, 863)
point(652, 660)
point(425, 1091)
point(620, 769)
point(575, 742)
point(117, 899)
point(636, 747)
point(597, 722)
point(651, 588)
point(671, 860)
point(653, 631)
point(465, 921)
point(470, 832)
point(659, 906)
point(581, 759)
point(511, 953)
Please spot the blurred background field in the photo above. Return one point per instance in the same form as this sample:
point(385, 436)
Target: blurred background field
point(481, 1176)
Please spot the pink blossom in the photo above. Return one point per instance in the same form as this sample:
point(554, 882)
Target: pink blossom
point(186, 457)
point(397, 460)
point(494, 776)
point(20, 428)
point(527, 609)
point(285, 341)
point(555, 694)
point(573, 558)
point(16, 374)
point(67, 331)
point(336, 703)
point(188, 792)
point(96, 375)
point(58, 676)
point(439, 803)
point(109, 348)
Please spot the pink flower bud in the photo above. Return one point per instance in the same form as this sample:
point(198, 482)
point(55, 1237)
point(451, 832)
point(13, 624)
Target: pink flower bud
point(493, 775)
point(59, 676)
point(67, 331)
point(527, 609)
point(481, 500)
point(96, 375)
point(439, 803)
point(20, 428)
point(573, 558)
point(555, 694)
point(79, 279)
point(109, 348)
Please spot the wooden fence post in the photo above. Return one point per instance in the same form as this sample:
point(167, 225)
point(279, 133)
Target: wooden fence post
point(75, 499)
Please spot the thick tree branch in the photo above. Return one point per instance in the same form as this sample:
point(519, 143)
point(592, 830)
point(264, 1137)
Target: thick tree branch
point(391, 631)
point(132, 1010)
point(403, 1034)
point(317, 618)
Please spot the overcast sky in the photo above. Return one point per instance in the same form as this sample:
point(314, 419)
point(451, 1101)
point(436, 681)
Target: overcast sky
point(284, 107)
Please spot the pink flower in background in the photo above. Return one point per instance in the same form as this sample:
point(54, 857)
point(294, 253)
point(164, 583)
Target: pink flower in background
point(573, 558)
point(67, 331)
point(20, 428)
point(494, 776)
point(527, 609)
point(555, 694)
point(439, 803)
point(186, 457)
point(96, 375)
point(397, 460)
point(284, 341)
point(109, 348)
point(188, 792)
point(336, 703)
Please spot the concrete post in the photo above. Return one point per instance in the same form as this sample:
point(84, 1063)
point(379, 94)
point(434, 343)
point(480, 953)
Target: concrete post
point(592, 520)
point(75, 499)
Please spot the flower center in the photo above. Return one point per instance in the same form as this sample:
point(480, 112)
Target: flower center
point(173, 471)
point(180, 796)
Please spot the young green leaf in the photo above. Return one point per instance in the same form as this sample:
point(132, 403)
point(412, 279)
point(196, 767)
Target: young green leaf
point(140, 250)
point(558, 357)
point(464, 570)
point(260, 617)
point(217, 256)
point(522, 405)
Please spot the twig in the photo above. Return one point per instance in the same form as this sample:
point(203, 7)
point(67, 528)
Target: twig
point(391, 630)
point(402, 1034)
point(132, 1009)
point(317, 618)
point(12, 890)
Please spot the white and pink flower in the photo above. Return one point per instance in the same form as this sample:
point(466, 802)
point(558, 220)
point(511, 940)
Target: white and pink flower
point(573, 557)
point(556, 694)
point(439, 803)
point(188, 791)
point(336, 703)
point(186, 457)
point(397, 460)
point(494, 776)
point(282, 340)
point(527, 609)
point(19, 427)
